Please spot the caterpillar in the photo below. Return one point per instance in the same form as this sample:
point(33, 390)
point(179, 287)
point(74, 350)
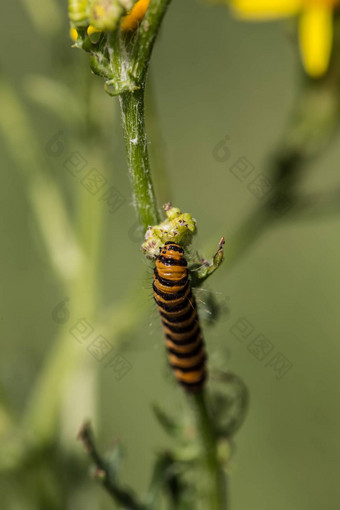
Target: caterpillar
point(178, 310)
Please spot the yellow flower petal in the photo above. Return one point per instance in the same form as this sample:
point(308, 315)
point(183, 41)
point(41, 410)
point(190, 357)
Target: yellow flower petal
point(265, 9)
point(316, 34)
point(91, 30)
point(135, 16)
point(73, 34)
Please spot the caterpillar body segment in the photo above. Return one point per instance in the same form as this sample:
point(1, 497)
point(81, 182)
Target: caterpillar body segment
point(178, 311)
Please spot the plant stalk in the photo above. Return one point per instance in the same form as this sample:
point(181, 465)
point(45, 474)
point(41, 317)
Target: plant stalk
point(146, 37)
point(132, 109)
point(214, 484)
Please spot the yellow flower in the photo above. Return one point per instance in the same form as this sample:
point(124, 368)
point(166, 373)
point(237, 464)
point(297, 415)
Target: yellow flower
point(315, 25)
point(73, 34)
point(135, 16)
point(129, 22)
point(91, 30)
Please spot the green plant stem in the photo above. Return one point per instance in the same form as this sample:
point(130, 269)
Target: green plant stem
point(44, 405)
point(48, 204)
point(132, 108)
point(215, 481)
point(133, 120)
point(105, 474)
point(133, 114)
point(65, 357)
point(146, 37)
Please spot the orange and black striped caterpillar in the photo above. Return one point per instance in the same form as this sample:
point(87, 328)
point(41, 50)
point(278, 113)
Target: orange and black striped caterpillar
point(178, 310)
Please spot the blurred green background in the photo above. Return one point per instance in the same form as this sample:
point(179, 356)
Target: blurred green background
point(211, 77)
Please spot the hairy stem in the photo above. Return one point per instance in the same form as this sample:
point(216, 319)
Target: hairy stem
point(146, 37)
point(132, 108)
point(133, 115)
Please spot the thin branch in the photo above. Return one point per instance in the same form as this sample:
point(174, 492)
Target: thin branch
point(132, 109)
point(104, 473)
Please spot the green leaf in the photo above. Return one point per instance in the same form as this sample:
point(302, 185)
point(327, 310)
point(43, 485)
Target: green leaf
point(169, 424)
point(229, 402)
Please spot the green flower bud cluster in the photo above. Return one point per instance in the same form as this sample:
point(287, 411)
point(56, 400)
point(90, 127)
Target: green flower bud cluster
point(178, 228)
